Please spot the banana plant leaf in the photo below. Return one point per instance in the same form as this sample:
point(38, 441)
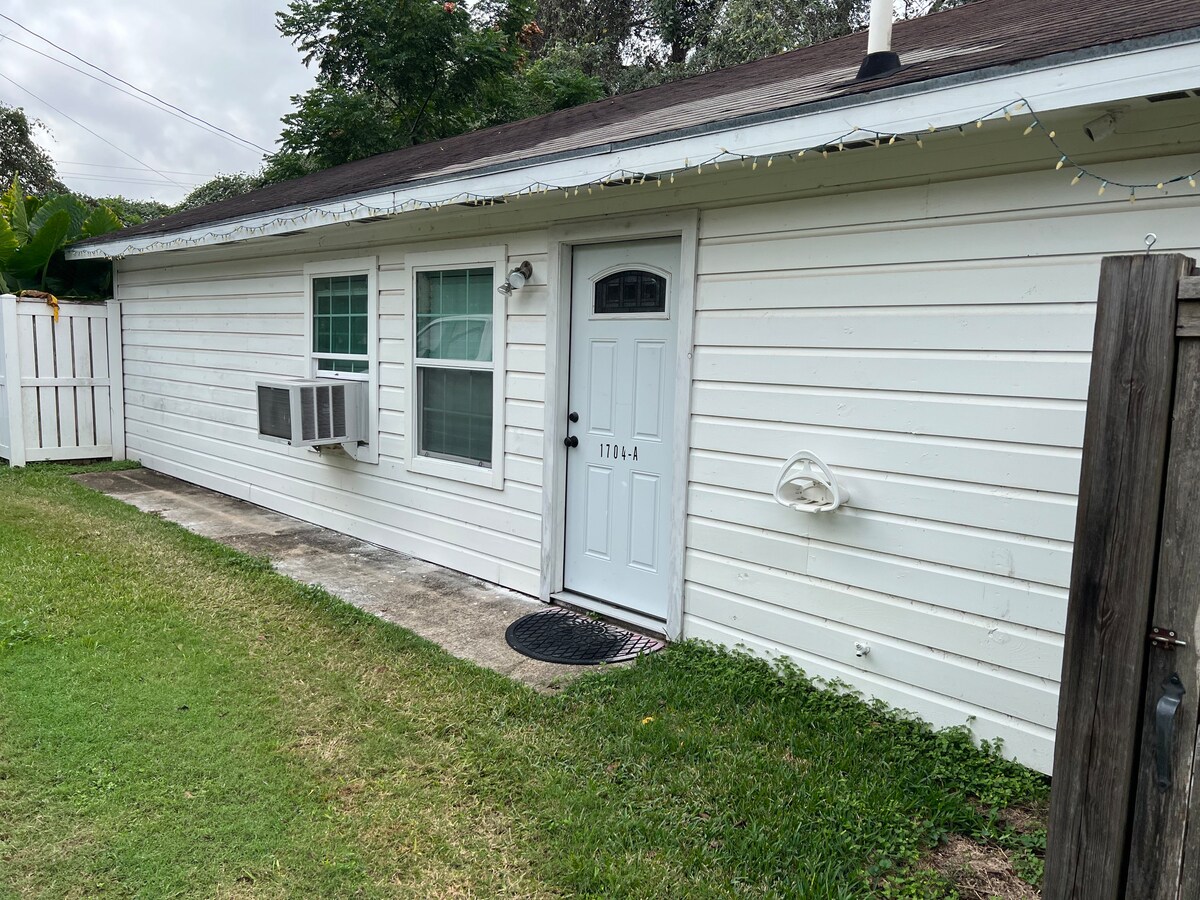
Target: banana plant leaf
point(8, 242)
point(102, 220)
point(33, 233)
point(32, 258)
point(12, 208)
point(74, 208)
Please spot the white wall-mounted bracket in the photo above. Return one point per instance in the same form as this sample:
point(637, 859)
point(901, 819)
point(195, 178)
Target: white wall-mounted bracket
point(807, 484)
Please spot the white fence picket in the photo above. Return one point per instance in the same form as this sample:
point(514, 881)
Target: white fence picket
point(27, 360)
point(45, 366)
point(102, 389)
point(85, 404)
point(58, 380)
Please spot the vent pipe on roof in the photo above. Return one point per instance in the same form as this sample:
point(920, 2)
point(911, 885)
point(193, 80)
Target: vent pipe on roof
point(880, 59)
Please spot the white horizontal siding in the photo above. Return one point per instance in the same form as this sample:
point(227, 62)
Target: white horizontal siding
point(197, 335)
point(1036, 513)
point(932, 344)
point(1040, 374)
point(1030, 326)
point(1036, 230)
point(1057, 423)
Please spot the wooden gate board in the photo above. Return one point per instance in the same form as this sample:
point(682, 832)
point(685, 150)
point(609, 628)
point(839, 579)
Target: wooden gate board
point(61, 381)
point(1136, 564)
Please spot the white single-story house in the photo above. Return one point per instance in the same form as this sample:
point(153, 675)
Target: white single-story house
point(894, 274)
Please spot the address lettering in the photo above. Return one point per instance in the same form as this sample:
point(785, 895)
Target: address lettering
point(619, 451)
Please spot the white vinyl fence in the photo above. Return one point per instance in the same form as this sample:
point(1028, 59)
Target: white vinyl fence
point(60, 382)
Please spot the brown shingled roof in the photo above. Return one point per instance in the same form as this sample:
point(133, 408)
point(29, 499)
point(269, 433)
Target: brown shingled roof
point(984, 34)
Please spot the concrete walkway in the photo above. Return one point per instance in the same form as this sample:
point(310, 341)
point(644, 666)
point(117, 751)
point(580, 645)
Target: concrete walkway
point(465, 616)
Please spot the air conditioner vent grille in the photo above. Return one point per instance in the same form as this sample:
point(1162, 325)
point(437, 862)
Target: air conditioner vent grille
point(274, 412)
point(337, 411)
point(310, 413)
point(322, 412)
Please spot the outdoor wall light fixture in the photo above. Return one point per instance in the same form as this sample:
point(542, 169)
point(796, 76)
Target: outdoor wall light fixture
point(1100, 128)
point(517, 278)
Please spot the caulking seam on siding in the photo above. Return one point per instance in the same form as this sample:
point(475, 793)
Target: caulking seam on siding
point(1070, 453)
point(1048, 545)
point(922, 606)
point(904, 548)
point(1040, 670)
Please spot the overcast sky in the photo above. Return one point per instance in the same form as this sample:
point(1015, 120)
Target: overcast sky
point(221, 60)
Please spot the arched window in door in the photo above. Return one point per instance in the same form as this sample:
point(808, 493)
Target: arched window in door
point(631, 291)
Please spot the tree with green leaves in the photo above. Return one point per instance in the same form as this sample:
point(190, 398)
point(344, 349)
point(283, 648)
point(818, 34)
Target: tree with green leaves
point(640, 43)
point(391, 73)
point(220, 187)
point(128, 211)
point(746, 30)
point(20, 155)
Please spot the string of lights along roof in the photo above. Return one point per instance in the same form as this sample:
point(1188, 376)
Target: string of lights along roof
point(856, 137)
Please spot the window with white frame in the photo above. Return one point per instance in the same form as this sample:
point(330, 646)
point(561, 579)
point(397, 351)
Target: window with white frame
point(457, 366)
point(342, 331)
point(341, 320)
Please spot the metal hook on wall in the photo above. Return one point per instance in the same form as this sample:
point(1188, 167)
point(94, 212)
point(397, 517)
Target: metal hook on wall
point(1151, 240)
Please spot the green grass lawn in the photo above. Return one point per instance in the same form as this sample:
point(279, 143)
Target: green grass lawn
point(178, 720)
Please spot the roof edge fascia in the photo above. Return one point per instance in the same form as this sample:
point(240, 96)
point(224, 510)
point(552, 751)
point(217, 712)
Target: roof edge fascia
point(1094, 75)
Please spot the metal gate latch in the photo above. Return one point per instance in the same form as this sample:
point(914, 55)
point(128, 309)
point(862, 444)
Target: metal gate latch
point(1165, 639)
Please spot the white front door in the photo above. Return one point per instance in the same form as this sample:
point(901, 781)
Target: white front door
point(619, 475)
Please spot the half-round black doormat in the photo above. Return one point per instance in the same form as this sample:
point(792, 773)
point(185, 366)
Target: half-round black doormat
point(561, 636)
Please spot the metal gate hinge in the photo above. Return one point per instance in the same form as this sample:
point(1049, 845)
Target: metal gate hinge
point(1165, 638)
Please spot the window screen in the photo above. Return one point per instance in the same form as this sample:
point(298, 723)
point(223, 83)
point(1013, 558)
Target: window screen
point(456, 413)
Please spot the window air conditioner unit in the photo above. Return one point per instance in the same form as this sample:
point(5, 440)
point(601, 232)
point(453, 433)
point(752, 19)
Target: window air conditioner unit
point(311, 413)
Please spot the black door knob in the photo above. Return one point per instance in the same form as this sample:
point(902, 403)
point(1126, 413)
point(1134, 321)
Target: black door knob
point(572, 441)
point(574, 417)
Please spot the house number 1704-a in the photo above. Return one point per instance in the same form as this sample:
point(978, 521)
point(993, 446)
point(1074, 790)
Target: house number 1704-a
point(617, 451)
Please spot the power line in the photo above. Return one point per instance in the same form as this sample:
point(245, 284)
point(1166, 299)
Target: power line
point(113, 176)
point(128, 84)
point(89, 131)
point(83, 176)
point(88, 165)
point(237, 141)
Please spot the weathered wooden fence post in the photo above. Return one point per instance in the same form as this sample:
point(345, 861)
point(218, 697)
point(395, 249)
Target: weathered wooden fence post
point(1102, 720)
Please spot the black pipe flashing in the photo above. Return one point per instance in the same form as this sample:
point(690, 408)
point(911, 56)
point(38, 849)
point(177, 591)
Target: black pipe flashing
point(876, 65)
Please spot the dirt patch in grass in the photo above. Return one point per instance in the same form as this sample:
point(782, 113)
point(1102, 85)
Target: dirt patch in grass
point(1026, 819)
point(979, 872)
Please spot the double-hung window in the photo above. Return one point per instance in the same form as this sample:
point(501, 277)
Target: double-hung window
point(457, 379)
point(342, 313)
